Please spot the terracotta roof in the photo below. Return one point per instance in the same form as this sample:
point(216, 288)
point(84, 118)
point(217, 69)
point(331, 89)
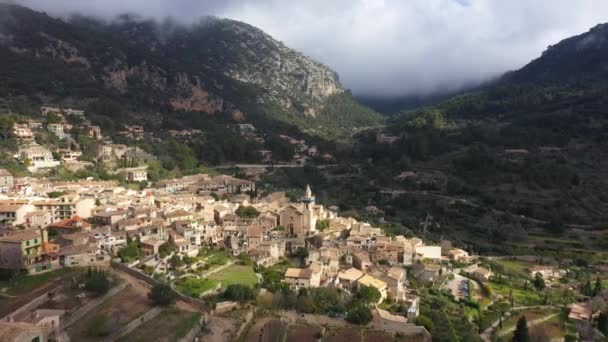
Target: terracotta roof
point(75, 222)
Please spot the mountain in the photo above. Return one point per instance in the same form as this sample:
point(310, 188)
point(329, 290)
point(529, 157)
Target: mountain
point(216, 66)
point(581, 60)
point(530, 147)
point(570, 76)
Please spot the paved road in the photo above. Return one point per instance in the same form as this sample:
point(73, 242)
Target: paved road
point(264, 166)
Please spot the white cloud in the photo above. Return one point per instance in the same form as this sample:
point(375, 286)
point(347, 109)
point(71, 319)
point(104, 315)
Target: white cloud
point(389, 47)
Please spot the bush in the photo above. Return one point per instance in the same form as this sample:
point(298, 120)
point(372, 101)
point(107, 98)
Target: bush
point(96, 281)
point(247, 212)
point(425, 322)
point(369, 294)
point(129, 253)
point(238, 292)
point(360, 314)
point(162, 294)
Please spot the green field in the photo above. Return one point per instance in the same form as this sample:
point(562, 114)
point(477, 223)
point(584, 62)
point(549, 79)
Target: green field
point(521, 297)
point(194, 287)
point(170, 325)
point(236, 274)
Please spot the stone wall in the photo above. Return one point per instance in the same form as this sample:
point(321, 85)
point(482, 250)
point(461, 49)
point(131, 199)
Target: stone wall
point(146, 278)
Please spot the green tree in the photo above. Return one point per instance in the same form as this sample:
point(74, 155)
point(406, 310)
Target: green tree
point(247, 212)
point(425, 322)
point(587, 290)
point(162, 294)
point(359, 314)
point(521, 333)
point(130, 252)
point(239, 292)
point(597, 289)
point(6, 127)
point(53, 118)
point(369, 294)
point(321, 225)
point(539, 282)
point(602, 323)
point(96, 281)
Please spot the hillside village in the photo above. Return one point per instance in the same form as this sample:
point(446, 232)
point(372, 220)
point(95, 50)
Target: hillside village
point(208, 236)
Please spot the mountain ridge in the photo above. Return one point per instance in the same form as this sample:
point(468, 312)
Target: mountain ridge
point(216, 66)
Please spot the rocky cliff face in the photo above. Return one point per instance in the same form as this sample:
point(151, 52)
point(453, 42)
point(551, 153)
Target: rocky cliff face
point(215, 66)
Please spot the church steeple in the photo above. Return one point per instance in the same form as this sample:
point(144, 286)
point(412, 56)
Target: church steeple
point(309, 198)
point(308, 192)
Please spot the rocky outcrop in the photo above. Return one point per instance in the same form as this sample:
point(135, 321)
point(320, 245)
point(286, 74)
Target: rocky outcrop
point(192, 97)
point(217, 66)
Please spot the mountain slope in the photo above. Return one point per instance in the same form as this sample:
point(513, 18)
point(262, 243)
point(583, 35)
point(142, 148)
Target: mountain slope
point(533, 144)
point(571, 76)
point(217, 66)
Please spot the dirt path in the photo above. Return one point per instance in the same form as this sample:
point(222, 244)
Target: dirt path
point(486, 334)
point(220, 329)
point(530, 324)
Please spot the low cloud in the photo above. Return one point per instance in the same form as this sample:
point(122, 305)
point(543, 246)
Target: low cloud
point(387, 47)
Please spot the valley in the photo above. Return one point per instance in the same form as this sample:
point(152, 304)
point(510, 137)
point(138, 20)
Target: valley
point(205, 181)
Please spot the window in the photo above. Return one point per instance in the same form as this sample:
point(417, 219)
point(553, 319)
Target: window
point(35, 240)
point(27, 243)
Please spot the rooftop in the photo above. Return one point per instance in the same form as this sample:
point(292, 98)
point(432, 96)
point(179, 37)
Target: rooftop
point(368, 280)
point(298, 273)
point(21, 236)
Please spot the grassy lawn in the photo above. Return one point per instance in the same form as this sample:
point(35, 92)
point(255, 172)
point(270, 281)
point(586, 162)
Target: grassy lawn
point(194, 287)
point(170, 325)
point(519, 267)
point(27, 283)
point(521, 297)
point(236, 274)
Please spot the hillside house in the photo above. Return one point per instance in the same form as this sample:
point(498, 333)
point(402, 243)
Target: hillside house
point(6, 179)
point(37, 156)
point(298, 278)
point(29, 250)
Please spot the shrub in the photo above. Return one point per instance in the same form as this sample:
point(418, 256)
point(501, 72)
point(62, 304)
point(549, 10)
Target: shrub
point(425, 322)
point(238, 292)
point(360, 314)
point(96, 281)
point(162, 294)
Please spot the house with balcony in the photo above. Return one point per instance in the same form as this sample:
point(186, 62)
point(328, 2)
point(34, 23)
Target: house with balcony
point(23, 132)
point(57, 129)
point(67, 206)
point(15, 213)
point(29, 250)
point(38, 157)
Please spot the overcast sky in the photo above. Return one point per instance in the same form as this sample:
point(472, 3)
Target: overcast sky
point(387, 47)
